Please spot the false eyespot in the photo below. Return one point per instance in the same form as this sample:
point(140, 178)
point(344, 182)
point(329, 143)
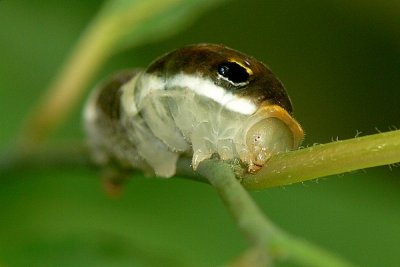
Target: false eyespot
point(234, 73)
point(200, 100)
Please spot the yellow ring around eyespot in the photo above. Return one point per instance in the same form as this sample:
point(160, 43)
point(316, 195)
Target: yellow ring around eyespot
point(281, 114)
point(248, 70)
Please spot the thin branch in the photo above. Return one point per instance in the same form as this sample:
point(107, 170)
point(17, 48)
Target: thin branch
point(262, 233)
point(66, 155)
point(327, 159)
point(283, 169)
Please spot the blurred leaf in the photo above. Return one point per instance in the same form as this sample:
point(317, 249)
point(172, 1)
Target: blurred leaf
point(119, 24)
point(137, 21)
point(179, 14)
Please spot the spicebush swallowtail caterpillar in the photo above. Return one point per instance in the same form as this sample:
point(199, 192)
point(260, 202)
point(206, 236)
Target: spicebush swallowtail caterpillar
point(200, 100)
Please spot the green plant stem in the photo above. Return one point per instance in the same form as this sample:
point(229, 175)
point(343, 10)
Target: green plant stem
point(327, 159)
point(66, 155)
point(283, 169)
point(95, 46)
point(256, 227)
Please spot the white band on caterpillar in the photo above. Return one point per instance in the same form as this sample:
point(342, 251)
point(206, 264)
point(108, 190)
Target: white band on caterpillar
point(201, 86)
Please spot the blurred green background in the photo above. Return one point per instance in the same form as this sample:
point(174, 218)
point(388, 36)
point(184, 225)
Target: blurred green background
point(340, 62)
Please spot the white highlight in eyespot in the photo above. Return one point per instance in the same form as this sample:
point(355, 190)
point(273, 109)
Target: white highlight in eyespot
point(229, 81)
point(204, 87)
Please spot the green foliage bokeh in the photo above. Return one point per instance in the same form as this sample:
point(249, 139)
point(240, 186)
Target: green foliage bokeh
point(340, 62)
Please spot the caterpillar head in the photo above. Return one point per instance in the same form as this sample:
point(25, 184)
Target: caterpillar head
point(269, 131)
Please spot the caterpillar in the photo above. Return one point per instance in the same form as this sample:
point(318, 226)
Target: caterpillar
point(200, 100)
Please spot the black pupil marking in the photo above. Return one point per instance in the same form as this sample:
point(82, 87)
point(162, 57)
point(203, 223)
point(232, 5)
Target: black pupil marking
point(233, 72)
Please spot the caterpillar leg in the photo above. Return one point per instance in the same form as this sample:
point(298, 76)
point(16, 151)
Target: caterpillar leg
point(113, 180)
